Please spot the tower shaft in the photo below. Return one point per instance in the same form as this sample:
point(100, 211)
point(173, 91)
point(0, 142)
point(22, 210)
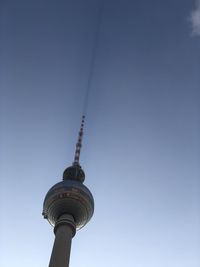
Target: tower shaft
point(64, 231)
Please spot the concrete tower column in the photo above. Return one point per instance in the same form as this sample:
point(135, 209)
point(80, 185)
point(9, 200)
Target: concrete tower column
point(64, 230)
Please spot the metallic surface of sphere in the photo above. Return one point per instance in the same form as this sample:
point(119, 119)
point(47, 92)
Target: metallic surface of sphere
point(69, 197)
point(74, 172)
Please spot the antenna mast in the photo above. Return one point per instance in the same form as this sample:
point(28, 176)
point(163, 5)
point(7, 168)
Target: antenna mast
point(79, 143)
point(89, 82)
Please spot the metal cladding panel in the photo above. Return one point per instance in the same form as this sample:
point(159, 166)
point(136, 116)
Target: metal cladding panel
point(69, 184)
point(69, 197)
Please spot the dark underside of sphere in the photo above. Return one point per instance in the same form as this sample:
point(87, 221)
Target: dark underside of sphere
point(69, 197)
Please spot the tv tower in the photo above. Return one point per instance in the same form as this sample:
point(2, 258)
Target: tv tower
point(68, 206)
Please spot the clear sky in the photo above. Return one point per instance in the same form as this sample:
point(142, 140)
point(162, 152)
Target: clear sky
point(141, 147)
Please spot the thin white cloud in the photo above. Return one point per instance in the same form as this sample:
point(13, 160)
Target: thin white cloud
point(195, 19)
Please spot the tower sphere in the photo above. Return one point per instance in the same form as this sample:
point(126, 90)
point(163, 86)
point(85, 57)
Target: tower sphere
point(69, 197)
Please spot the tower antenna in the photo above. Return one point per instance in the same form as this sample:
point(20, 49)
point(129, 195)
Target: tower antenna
point(89, 81)
point(93, 54)
point(79, 143)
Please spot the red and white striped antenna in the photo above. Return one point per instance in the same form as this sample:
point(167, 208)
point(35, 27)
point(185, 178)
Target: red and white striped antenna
point(89, 80)
point(79, 143)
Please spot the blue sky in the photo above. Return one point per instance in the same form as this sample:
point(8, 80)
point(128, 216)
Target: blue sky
point(141, 145)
